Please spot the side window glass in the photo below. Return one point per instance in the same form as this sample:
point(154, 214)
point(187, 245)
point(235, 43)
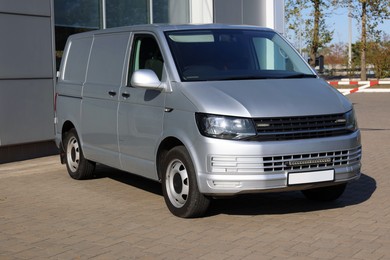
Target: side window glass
point(77, 60)
point(146, 55)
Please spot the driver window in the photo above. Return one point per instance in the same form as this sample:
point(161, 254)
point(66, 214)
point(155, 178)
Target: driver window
point(270, 56)
point(146, 55)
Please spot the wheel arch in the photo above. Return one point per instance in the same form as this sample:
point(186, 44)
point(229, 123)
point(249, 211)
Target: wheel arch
point(166, 145)
point(66, 127)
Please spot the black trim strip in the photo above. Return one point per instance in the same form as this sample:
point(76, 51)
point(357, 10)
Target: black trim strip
point(24, 14)
point(69, 96)
point(27, 78)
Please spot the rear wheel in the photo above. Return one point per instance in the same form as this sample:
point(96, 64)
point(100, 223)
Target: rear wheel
point(180, 186)
point(325, 193)
point(78, 167)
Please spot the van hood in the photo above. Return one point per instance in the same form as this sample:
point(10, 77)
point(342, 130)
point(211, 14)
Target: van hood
point(266, 98)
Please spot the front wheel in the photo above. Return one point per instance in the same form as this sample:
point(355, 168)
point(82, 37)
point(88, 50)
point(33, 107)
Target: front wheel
point(78, 167)
point(329, 193)
point(180, 186)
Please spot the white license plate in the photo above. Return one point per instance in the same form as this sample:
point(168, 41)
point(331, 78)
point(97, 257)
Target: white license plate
point(310, 177)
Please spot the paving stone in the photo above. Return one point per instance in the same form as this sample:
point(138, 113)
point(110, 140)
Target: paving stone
point(44, 214)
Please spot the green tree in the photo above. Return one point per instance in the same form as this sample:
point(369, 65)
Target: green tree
point(369, 14)
point(335, 56)
point(307, 20)
point(378, 55)
point(356, 50)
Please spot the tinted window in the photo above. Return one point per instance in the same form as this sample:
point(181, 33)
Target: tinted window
point(77, 59)
point(107, 58)
point(146, 55)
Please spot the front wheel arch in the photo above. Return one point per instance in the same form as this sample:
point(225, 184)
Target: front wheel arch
point(166, 145)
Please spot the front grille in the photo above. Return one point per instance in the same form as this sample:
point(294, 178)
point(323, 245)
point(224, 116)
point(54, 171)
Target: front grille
point(292, 128)
point(289, 162)
point(286, 162)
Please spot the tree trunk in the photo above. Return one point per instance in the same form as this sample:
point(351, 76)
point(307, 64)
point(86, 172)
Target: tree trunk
point(315, 39)
point(363, 71)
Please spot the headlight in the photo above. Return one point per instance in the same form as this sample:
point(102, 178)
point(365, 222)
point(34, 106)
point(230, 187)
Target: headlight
point(225, 127)
point(351, 123)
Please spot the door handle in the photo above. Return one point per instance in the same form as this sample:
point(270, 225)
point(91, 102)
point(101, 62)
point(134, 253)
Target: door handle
point(125, 95)
point(112, 93)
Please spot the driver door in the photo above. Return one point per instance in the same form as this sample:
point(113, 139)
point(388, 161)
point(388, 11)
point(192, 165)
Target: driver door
point(141, 111)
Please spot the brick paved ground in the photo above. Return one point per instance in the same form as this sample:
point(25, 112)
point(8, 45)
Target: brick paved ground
point(45, 214)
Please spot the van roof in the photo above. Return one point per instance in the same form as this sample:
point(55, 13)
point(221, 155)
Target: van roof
point(169, 27)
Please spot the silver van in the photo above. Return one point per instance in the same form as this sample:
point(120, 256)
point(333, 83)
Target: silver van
point(207, 110)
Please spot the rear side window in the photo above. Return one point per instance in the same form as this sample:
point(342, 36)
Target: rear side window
point(75, 66)
point(146, 54)
point(107, 59)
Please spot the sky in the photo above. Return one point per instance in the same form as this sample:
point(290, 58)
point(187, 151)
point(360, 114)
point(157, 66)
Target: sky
point(339, 22)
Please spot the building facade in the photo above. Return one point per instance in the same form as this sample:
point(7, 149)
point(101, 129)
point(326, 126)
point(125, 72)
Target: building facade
point(26, 79)
point(34, 33)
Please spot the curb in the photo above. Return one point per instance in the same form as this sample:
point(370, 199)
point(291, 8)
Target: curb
point(352, 82)
point(365, 84)
point(350, 91)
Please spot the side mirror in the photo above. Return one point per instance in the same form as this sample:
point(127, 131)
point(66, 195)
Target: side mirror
point(146, 78)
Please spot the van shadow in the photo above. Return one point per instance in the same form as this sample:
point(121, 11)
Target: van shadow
point(130, 179)
point(356, 192)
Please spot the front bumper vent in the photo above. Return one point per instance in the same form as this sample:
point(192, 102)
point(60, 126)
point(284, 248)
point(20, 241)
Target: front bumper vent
point(283, 163)
point(312, 161)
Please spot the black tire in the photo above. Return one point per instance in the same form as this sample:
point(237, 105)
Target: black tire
point(329, 193)
point(180, 187)
point(78, 167)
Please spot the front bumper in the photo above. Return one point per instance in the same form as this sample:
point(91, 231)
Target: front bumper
point(226, 185)
point(249, 167)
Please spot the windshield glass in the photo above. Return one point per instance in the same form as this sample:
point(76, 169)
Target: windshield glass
point(232, 54)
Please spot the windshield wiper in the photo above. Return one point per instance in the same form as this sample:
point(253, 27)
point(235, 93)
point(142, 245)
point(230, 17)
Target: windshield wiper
point(291, 76)
point(298, 76)
point(243, 77)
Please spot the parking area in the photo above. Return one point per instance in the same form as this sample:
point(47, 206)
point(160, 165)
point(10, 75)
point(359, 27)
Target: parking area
point(44, 214)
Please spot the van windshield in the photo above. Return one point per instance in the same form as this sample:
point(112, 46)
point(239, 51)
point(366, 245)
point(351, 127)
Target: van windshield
point(234, 54)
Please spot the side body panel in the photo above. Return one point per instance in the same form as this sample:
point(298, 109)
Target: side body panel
point(140, 121)
point(69, 86)
point(101, 96)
